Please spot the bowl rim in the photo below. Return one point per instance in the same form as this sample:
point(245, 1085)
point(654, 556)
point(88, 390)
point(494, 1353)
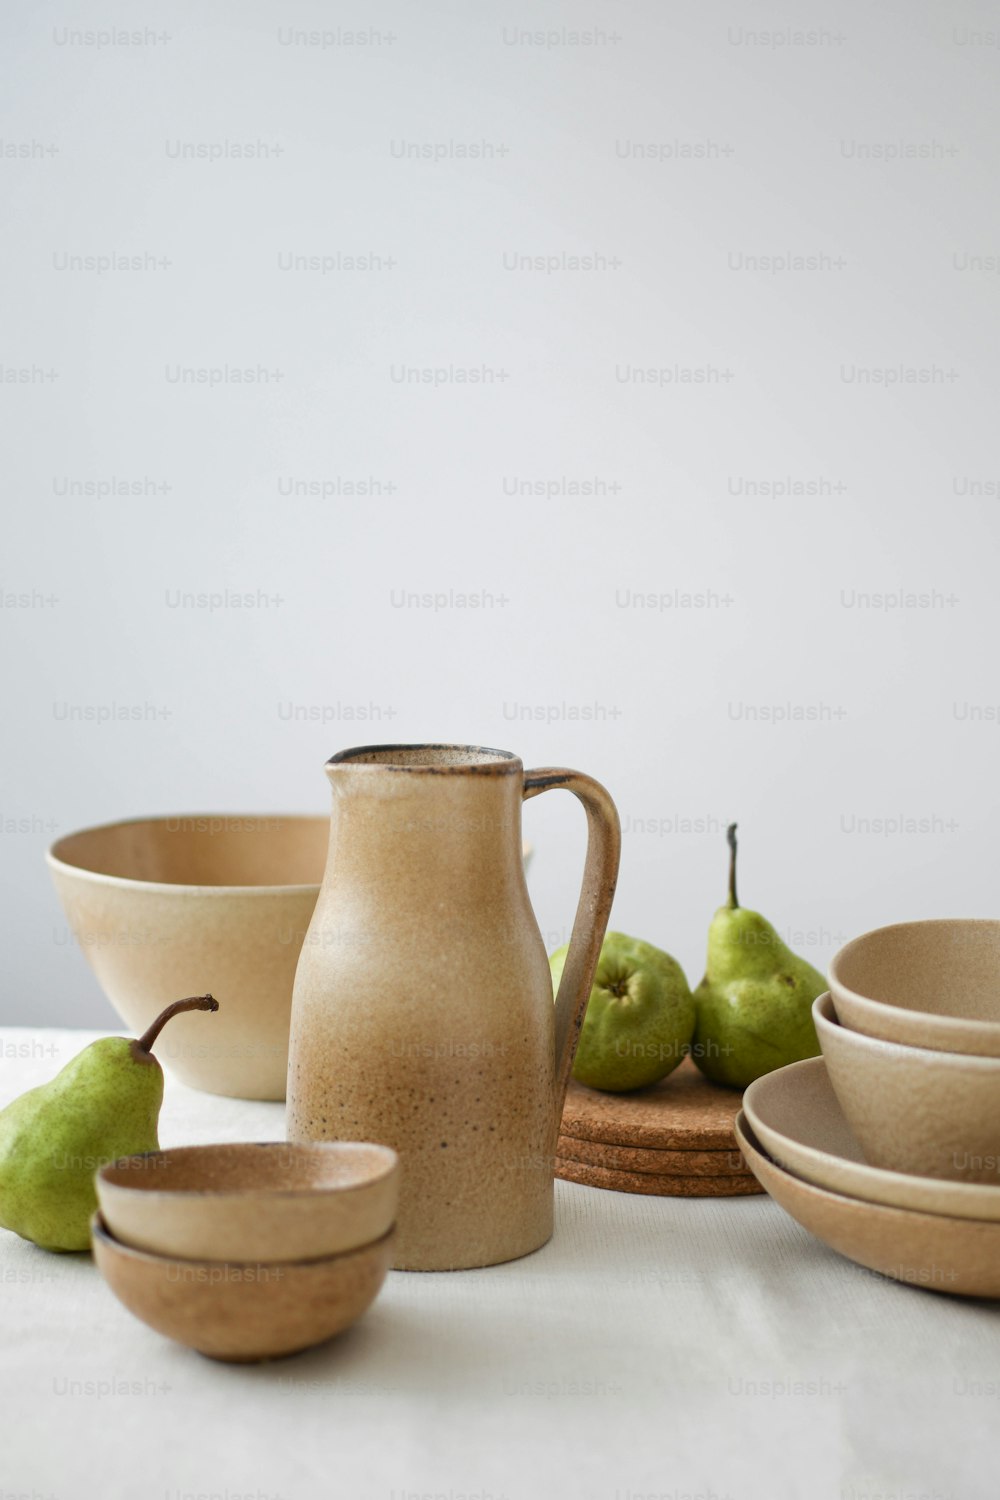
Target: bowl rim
point(745, 1137)
point(387, 1168)
point(99, 1231)
point(959, 1024)
point(56, 862)
point(972, 1193)
point(827, 1018)
point(743, 1130)
point(185, 888)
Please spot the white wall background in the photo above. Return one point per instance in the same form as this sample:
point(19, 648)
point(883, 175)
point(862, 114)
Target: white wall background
point(870, 146)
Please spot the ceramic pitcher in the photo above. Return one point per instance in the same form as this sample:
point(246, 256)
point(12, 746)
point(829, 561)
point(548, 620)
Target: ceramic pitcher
point(422, 1013)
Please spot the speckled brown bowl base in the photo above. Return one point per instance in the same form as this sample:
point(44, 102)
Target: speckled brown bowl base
point(646, 1183)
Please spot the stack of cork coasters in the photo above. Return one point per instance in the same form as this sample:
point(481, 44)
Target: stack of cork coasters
point(675, 1139)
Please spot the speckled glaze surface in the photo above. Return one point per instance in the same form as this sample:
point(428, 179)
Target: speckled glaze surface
point(797, 1118)
point(925, 1250)
point(924, 984)
point(267, 1201)
point(936, 1114)
point(165, 907)
point(422, 1015)
point(243, 1312)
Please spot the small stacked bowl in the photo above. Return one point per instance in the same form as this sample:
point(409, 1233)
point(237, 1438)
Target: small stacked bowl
point(251, 1251)
point(888, 1146)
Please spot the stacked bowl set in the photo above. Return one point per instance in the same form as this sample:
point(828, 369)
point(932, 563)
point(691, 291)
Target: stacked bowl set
point(888, 1146)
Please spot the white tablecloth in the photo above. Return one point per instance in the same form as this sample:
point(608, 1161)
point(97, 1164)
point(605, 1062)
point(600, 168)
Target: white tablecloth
point(656, 1347)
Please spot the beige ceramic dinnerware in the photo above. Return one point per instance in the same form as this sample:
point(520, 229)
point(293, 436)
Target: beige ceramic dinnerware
point(248, 1202)
point(241, 1311)
point(795, 1115)
point(944, 1254)
point(936, 1114)
point(423, 1013)
point(164, 907)
point(929, 984)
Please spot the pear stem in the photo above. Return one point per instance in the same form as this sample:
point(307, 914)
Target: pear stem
point(194, 1002)
point(731, 837)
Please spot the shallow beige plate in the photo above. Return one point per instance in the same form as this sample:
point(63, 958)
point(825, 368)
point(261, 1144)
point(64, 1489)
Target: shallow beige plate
point(243, 1312)
point(925, 984)
point(267, 1202)
point(795, 1116)
point(927, 1250)
point(933, 1113)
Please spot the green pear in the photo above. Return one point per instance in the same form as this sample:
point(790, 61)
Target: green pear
point(755, 1001)
point(640, 1016)
point(102, 1105)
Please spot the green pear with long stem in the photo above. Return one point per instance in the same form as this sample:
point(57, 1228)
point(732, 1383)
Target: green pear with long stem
point(755, 1001)
point(104, 1104)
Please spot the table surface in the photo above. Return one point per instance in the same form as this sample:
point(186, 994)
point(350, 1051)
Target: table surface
point(656, 1347)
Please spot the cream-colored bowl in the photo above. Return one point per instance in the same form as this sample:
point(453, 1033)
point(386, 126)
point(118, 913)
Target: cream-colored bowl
point(245, 1311)
point(216, 903)
point(175, 906)
point(936, 1114)
point(252, 1202)
point(924, 984)
point(797, 1118)
point(933, 1251)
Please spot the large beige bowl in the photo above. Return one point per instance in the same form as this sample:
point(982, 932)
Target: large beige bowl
point(926, 1250)
point(932, 1113)
point(797, 1118)
point(924, 984)
point(207, 903)
point(265, 1202)
point(248, 1311)
point(168, 907)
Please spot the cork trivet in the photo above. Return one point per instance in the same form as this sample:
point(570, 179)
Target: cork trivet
point(659, 1163)
point(657, 1187)
point(683, 1113)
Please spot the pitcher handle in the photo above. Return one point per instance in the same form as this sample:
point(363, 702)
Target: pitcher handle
point(600, 875)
